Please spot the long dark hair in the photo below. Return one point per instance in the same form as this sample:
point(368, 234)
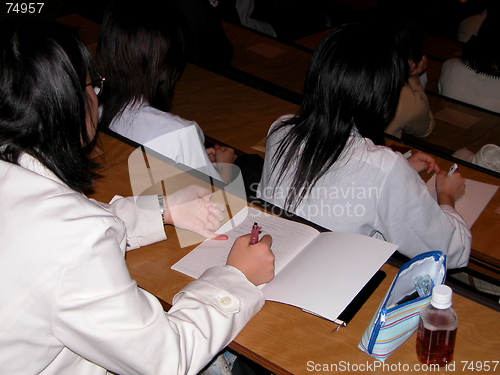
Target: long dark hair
point(407, 37)
point(141, 53)
point(352, 84)
point(43, 104)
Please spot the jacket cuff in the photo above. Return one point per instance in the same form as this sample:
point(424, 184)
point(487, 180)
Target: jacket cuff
point(227, 290)
point(142, 218)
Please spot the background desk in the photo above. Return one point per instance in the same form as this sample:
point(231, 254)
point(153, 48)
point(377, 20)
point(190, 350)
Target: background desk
point(227, 110)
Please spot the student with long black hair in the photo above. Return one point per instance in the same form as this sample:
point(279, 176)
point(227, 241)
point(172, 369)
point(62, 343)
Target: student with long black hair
point(328, 163)
point(142, 52)
point(69, 305)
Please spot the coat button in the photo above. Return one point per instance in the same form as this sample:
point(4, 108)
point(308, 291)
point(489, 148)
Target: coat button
point(225, 301)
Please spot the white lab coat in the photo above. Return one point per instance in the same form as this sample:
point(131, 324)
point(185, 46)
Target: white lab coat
point(69, 305)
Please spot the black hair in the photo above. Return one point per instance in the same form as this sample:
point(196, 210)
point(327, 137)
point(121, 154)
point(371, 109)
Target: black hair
point(352, 84)
point(43, 100)
point(408, 39)
point(141, 53)
point(404, 33)
point(482, 52)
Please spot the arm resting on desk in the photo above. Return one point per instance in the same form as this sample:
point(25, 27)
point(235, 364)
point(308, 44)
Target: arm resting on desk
point(411, 218)
point(103, 316)
point(142, 218)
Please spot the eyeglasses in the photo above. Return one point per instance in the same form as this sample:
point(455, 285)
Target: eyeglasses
point(97, 85)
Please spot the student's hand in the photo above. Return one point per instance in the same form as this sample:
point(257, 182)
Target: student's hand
point(423, 162)
point(224, 154)
point(191, 208)
point(449, 188)
point(224, 158)
point(211, 155)
point(255, 261)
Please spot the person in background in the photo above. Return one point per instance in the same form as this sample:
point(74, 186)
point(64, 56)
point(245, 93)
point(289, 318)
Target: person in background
point(69, 305)
point(328, 163)
point(475, 77)
point(142, 54)
point(470, 26)
point(413, 114)
point(206, 41)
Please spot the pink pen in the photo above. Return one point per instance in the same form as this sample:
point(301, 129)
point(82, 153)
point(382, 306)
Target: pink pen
point(254, 235)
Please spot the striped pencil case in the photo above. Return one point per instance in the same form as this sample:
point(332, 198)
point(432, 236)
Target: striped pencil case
point(397, 316)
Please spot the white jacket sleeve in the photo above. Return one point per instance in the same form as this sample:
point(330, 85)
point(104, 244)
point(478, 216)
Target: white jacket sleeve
point(460, 246)
point(105, 318)
point(142, 218)
point(412, 219)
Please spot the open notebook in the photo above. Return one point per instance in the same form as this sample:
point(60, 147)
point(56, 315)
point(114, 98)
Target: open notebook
point(318, 272)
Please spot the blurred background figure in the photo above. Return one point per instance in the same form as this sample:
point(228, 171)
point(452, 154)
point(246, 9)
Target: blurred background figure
point(413, 115)
point(207, 44)
point(475, 77)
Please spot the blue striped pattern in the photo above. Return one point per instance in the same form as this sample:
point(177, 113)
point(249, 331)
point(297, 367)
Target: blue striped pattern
point(389, 328)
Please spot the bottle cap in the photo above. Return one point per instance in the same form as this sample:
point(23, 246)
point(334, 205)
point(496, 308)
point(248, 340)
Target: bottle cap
point(441, 296)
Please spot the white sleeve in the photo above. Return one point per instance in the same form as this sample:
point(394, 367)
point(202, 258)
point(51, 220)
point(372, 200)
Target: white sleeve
point(461, 242)
point(105, 318)
point(412, 219)
point(142, 218)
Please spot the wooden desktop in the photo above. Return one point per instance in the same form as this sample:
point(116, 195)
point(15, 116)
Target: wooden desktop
point(283, 338)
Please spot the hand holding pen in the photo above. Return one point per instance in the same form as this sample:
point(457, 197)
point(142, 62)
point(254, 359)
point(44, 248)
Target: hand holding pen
point(255, 260)
point(450, 186)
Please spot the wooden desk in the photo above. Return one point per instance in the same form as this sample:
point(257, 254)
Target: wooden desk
point(268, 59)
point(312, 41)
point(288, 69)
point(227, 110)
point(286, 340)
point(452, 137)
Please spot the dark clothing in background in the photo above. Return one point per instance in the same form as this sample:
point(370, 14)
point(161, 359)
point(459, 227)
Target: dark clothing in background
point(207, 43)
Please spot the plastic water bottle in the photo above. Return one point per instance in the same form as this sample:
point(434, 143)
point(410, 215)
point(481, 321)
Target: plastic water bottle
point(437, 328)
